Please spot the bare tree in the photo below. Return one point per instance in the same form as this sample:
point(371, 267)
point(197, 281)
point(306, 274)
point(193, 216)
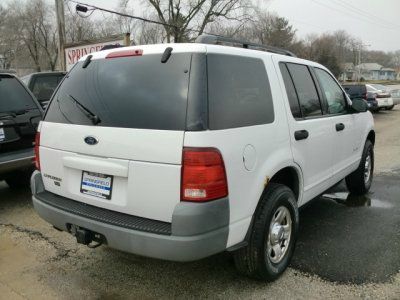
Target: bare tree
point(148, 33)
point(78, 28)
point(270, 29)
point(125, 24)
point(189, 18)
point(31, 24)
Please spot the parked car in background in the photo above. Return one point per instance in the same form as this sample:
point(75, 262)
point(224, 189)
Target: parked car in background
point(381, 87)
point(383, 95)
point(20, 114)
point(43, 85)
point(135, 155)
point(359, 91)
point(370, 94)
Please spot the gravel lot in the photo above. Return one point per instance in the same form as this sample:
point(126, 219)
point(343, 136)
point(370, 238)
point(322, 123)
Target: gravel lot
point(38, 262)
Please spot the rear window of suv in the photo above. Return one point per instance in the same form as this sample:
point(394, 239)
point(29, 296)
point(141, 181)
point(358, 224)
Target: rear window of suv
point(13, 95)
point(129, 92)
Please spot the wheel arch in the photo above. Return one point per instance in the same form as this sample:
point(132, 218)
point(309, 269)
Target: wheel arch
point(289, 175)
point(371, 136)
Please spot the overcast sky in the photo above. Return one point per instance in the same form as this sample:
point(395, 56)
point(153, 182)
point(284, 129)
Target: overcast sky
point(376, 22)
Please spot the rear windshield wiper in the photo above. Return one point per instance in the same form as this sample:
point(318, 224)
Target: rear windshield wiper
point(93, 117)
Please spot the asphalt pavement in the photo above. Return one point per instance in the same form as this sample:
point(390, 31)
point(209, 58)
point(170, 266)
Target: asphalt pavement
point(347, 238)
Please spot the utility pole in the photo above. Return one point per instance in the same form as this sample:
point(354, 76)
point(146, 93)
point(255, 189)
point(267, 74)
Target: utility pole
point(359, 59)
point(61, 32)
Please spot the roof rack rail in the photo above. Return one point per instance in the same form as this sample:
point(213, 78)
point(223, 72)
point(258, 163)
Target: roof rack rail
point(227, 41)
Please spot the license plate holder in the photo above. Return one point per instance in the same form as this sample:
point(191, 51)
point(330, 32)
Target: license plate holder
point(97, 184)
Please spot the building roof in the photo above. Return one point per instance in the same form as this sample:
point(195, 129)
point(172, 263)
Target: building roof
point(388, 69)
point(369, 66)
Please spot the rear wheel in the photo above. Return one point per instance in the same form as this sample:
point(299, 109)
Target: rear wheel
point(19, 179)
point(273, 235)
point(359, 182)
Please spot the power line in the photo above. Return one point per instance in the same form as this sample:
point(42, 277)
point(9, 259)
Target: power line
point(363, 12)
point(93, 7)
point(354, 16)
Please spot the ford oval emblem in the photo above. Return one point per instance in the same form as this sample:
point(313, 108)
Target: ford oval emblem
point(91, 140)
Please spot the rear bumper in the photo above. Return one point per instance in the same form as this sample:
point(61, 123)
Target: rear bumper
point(16, 160)
point(197, 230)
point(384, 102)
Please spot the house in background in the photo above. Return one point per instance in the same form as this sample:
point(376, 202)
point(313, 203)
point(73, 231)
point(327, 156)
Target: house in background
point(374, 71)
point(367, 71)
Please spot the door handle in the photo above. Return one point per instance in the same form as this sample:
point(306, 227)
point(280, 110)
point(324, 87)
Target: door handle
point(339, 126)
point(300, 135)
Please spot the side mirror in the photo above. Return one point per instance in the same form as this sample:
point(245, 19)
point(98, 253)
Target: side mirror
point(359, 105)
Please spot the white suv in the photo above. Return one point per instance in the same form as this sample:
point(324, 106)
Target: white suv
point(181, 151)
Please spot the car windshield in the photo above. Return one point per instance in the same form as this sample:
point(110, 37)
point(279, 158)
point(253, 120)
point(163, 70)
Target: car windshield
point(127, 92)
point(379, 87)
point(13, 95)
point(370, 88)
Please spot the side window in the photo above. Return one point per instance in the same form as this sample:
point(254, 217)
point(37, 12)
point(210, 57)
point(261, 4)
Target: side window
point(333, 93)
point(290, 91)
point(239, 93)
point(306, 91)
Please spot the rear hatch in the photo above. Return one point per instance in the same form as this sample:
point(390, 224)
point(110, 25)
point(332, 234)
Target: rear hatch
point(19, 117)
point(113, 133)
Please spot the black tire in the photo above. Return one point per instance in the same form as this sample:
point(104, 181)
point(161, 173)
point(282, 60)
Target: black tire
point(19, 179)
point(253, 260)
point(389, 107)
point(356, 181)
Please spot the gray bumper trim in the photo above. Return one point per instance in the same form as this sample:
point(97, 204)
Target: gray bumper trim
point(173, 248)
point(198, 229)
point(104, 215)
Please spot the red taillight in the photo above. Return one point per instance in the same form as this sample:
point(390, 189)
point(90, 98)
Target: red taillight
point(365, 96)
point(36, 148)
point(125, 53)
point(203, 175)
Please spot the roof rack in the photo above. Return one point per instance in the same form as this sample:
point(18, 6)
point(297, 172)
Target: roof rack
point(227, 41)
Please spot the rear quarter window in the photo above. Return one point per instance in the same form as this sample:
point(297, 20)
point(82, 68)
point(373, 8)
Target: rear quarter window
point(239, 93)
